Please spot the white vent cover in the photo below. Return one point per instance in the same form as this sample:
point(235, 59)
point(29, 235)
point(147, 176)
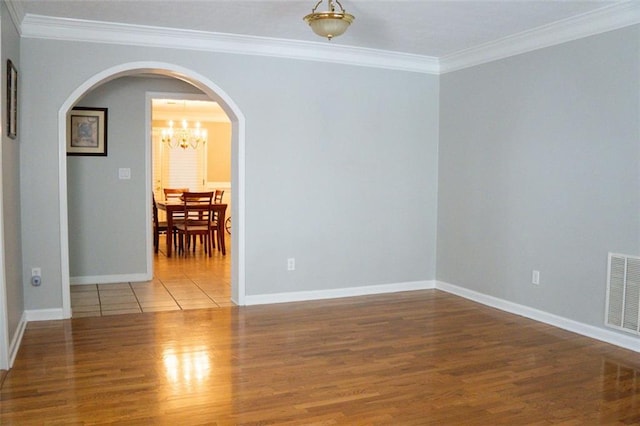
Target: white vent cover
point(623, 293)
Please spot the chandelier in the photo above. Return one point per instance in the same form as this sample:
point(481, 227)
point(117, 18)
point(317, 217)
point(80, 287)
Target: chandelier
point(184, 137)
point(329, 24)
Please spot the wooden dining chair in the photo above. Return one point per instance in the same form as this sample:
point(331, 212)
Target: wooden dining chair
point(217, 199)
point(174, 194)
point(158, 226)
point(217, 228)
point(197, 220)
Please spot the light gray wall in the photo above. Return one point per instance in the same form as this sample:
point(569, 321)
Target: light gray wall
point(106, 229)
point(11, 184)
point(341, 164)
point(539, 169)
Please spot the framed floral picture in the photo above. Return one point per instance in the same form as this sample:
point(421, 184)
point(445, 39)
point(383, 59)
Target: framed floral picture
point(87, 131)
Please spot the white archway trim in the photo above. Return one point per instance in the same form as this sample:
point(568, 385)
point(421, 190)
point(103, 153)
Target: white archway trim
point(238, 164)
point(5, 362)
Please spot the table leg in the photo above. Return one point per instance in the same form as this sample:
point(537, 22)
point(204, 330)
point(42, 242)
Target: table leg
point(221, 231)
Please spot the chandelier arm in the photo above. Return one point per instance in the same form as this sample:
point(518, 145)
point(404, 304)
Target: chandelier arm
point(339, 4)
point(184, 137)
point(315, 7)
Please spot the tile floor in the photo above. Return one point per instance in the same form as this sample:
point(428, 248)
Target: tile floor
point(180, 282)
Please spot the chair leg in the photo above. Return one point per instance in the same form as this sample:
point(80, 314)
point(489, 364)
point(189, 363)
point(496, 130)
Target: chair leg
point(221, 241)
point(215, 237)
point(156, 240)
point(219, 236)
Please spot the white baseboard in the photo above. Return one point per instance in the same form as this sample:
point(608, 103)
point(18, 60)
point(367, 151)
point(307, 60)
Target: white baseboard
point(627, 342)
point(44, 314)
point(27, 316)
point(301, 296)
point(17, 339)
point(109, 279)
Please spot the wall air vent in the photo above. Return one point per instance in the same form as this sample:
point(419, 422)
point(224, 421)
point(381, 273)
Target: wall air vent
point(623, 293)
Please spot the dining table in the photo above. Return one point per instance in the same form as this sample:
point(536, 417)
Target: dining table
point(171, 207)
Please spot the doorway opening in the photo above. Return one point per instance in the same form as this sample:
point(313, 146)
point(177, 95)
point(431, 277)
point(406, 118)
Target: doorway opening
point(201, 165)
point(236, 118)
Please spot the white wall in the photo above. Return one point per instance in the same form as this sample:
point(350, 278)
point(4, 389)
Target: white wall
point(106, 230)
point(340, 164)
point(10, 154)
point(539, 169)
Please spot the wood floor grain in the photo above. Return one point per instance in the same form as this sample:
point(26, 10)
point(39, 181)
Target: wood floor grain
point(413, 358)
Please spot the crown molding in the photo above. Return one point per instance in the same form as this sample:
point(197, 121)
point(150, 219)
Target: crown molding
point(609, 18)
point(16, 12)
point(602, 20)
point(45, 27)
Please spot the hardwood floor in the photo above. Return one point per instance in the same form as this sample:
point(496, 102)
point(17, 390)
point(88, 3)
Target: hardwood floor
point(423, 357)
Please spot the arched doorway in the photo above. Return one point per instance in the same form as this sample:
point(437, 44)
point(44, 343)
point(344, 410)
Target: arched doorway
point(237, 169)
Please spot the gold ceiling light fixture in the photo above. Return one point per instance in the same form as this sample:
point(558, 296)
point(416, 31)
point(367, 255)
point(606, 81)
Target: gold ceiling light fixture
point(329, 24)
point(184, 137)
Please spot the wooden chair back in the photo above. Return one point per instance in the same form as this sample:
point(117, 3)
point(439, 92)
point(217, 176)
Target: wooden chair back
point(174, 193)
point(155, 210)
point(197, 208)
point(217, 196)
point(158, 226)
point(217, 199)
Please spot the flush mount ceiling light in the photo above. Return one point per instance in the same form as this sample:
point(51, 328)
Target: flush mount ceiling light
point(329, 24)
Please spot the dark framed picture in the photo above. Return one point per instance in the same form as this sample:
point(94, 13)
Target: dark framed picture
point(87, 131)
point(12, 100)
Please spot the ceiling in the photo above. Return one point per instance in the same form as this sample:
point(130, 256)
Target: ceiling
point(433, 28)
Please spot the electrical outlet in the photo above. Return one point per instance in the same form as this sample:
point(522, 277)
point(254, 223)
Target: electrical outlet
point(291, 264)
point(36, 277)
point(535, 277)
